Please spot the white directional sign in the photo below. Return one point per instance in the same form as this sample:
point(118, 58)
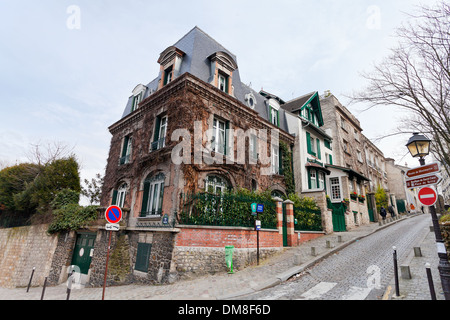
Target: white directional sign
point(112, 227)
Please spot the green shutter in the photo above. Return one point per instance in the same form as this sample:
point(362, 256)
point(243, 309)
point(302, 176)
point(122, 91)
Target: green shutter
point(309, 178)
point(280, 161)
point(157, 127)
point(225, 147)
point(161, 198)
point(125, 145)
point(143, 256)
point(331, 159)
point(318, 149)
point(308, 142)
point(278, 118)
point(114, 198)
point(145, 199)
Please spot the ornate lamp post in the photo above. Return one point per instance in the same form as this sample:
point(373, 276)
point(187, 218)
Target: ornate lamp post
point(419, 146)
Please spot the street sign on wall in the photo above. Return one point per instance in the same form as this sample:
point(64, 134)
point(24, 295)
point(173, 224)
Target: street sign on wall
point(427, 196)
point(423, 181)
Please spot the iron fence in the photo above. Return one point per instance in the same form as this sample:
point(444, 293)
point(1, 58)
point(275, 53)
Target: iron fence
point(225, 210)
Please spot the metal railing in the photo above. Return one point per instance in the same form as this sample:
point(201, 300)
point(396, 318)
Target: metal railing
point(225, 210)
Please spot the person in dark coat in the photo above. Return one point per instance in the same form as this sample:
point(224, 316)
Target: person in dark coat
point(391, 211)
point(383, 213)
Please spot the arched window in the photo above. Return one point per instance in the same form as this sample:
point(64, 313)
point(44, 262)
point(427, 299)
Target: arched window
point(216, 184)
point(153, 195)
point(119, 195)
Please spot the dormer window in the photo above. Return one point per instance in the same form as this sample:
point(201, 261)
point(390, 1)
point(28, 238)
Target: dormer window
point(170, 62)
point(223, 82)
point(138, 95)
point(168, 75)
point(222, 67)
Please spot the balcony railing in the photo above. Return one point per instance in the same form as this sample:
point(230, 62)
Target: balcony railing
point(124, 160)
point(158, 144)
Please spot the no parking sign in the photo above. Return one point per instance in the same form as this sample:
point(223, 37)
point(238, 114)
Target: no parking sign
point(113, 214)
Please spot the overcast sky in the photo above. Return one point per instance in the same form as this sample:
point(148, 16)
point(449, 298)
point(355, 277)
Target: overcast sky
point(67, 68)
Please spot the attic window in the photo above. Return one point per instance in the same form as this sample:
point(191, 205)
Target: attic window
point(251, 100)
point(138, 95)
point(223, 82)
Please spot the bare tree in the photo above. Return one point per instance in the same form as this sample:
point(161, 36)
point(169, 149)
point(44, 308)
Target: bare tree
point(416, 77)
point(43, 154)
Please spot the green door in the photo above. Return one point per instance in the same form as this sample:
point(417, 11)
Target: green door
point(370, 207)
point(339, 217)
point(82, 253)
point(285, 242)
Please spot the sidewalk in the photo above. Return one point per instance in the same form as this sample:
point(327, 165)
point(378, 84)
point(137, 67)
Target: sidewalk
point(417, 288)
point(223, 286)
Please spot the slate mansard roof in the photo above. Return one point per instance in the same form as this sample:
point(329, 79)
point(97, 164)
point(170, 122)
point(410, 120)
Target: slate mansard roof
point(198, 47)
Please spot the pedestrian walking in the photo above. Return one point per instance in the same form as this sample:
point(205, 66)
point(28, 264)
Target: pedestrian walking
point(391, 211)
point(383, 213)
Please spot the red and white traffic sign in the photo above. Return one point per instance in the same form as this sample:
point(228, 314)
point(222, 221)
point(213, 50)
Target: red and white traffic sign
point(113, 214)
point(427, 196)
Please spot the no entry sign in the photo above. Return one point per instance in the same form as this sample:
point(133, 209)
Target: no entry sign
point(113, 214)
point(427, 196)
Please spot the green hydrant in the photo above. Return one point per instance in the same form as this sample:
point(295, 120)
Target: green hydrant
point(229, 258)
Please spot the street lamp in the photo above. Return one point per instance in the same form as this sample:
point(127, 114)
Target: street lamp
point(419, 146)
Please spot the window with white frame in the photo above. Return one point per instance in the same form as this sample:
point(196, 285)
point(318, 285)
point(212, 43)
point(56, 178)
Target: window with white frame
point(335, 188)
point(153, 196)
point(216, 184)
point(275, 160)
point(274, 116)
point(159, 138)
point(321, 180)
point(136, 100)
point(253, 147)
point(121, 193)
point(313, 179)
point(219, 136)
point(222, 82)
point(125, 156)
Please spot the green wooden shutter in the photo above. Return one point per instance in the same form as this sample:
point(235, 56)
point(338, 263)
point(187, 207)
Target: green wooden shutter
point(143, 256)
point(280, 161)
point(308, 142)
point(125, 146)
point(225, 147)
point(331, 159)
point(309, 178)
point(318, 149)
point(114, 198)
point(278, 118)
point(157, 127)
point(145, 199)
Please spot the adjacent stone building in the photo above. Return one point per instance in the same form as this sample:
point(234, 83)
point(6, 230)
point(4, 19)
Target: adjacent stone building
point(347, 187)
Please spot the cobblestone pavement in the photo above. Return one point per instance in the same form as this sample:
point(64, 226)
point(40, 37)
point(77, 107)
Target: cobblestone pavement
point(360, 271)
point(220, 286)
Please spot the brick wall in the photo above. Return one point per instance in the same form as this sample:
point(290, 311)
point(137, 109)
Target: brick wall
point(222, 236)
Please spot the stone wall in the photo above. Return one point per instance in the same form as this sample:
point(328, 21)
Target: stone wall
point(122, 258)
point(197, 261)
point(21, 249)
